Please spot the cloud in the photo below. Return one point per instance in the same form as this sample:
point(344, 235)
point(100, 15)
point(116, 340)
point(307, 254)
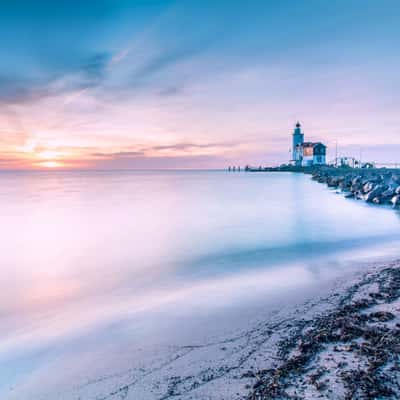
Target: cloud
point(118, 154)
point(46, 71)
point(16, 89)
point(13, 162)
point(171, 91)
point(90, 73)
point(191, 146)
point(152, 151)
point(95, 68)
point(168, 56)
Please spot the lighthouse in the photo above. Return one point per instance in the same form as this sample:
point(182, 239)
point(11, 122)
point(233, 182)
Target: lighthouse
point(306, 154)
point(298, 140)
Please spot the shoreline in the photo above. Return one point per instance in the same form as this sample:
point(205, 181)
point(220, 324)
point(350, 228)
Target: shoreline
point(342, 343)
point(349, 352)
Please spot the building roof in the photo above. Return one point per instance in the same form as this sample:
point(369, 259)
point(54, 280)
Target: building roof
point(312, 144)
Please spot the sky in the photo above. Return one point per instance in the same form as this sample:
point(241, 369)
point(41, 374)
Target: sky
point(110, 84)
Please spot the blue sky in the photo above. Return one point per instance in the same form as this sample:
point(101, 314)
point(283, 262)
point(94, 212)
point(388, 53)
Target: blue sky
point(154, 84)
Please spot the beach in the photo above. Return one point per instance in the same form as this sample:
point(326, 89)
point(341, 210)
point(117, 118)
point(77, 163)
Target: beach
point(349, 351)
point(342, 344)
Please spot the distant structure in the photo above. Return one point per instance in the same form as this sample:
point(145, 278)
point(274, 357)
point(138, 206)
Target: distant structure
point(347, 162)
point(306, 154)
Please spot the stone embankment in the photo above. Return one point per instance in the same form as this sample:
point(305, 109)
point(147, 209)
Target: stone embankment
point(379, 186)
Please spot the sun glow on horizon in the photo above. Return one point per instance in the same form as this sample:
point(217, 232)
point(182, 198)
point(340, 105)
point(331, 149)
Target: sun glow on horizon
point(49, 154)
point(51, 164)
point(49, 158)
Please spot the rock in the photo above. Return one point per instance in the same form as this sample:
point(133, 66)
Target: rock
point(381, 316)
point(396, 201)
point(367, 187)
point(248, 374)
point(378, 186)
point(396, 179)
point(375, 192)
point(258, 384)
point(387, 194)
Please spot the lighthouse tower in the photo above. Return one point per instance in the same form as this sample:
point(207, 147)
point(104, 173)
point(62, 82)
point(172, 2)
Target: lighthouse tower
point(298, 140)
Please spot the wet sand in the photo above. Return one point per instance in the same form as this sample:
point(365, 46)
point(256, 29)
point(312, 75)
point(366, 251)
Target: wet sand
point(341, 344)
point(349, 352)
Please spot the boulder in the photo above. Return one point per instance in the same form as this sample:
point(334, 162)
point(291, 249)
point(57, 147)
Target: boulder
point(334, 181)
point(355, 187)
point(368, 187)
point(375, 192)
point(396, 200)
point(388, 193)
point(396, 178)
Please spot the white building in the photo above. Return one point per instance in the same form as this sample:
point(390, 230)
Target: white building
point(306, 154)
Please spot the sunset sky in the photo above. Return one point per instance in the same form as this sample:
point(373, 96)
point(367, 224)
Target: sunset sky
point(195, 84)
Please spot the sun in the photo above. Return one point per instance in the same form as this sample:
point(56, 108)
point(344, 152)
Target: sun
point(51, 164)
point(49, 159)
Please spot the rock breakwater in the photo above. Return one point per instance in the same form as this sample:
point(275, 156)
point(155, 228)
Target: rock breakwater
point(378, 186)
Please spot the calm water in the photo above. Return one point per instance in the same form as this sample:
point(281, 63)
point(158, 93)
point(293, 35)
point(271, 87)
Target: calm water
point(96, 262)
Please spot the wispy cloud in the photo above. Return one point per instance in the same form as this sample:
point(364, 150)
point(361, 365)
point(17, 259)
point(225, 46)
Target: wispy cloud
point(118, 154)
point(16, 89)
point(175, 150)
point(171, 91)
point(167, 58)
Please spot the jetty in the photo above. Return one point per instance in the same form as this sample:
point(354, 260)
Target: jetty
point(373, 185)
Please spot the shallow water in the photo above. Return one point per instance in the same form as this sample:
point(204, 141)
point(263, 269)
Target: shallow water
point(98, 265)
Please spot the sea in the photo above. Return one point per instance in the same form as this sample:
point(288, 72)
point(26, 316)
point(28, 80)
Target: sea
point(104, 269)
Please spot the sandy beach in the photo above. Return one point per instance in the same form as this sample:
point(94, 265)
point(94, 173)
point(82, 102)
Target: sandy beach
point(349, 351)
